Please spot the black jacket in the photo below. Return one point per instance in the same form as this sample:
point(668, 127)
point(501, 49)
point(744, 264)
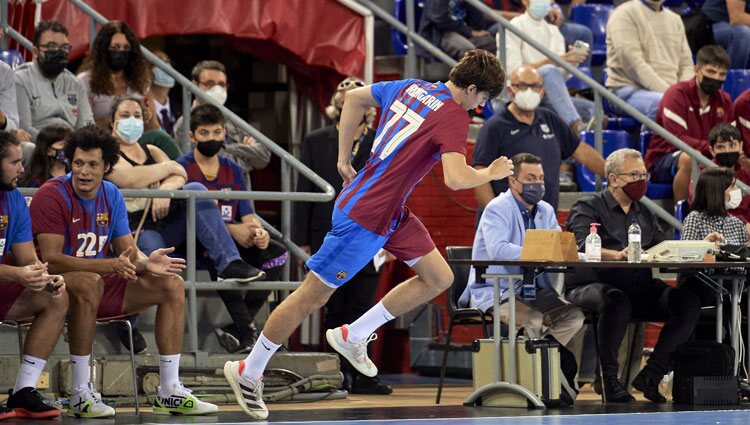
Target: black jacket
point(437, 20)
point(312, 220)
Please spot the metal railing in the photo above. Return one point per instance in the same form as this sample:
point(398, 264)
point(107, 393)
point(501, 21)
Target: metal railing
point(286, 196)
point(599, 90)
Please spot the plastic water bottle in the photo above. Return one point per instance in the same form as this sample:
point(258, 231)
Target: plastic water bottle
point(634, 243)
point(593, 245)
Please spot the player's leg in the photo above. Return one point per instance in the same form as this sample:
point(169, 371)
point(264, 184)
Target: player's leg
point(167, 293)
point(86, 291)
point(345, 251)
point(49, 316)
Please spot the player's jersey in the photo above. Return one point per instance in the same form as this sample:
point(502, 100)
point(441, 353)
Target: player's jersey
point(230, 177)
point(88, 225)
point(419, 122)
point(15, 222)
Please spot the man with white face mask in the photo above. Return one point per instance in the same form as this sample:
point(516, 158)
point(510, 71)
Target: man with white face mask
point(211, 76)
point(523, 127)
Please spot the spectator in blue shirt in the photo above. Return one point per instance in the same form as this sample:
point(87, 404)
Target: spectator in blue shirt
point(731, 28)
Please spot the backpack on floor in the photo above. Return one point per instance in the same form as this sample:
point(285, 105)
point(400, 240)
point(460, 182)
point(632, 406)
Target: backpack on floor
point(704, 374)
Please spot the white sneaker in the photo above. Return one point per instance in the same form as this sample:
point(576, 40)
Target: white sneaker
point(181, 401)
point(249, 394)
point(355, 352)
point(87, 403)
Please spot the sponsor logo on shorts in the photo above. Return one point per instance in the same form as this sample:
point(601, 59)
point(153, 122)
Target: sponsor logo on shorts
point(341, 275)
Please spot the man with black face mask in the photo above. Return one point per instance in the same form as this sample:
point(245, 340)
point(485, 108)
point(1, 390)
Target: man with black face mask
point(689, 110)
point(47, 93)
point(500, 235)
point(621, 295)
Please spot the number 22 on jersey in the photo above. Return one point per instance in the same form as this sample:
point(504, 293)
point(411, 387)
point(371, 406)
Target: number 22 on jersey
point(413, 121)
point(89, 246)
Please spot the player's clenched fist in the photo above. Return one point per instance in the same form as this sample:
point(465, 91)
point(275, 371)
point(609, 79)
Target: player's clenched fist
point(501, 168)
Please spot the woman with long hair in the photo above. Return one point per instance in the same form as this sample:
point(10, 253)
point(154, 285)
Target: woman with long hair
point(114, 67)
point(48, 159)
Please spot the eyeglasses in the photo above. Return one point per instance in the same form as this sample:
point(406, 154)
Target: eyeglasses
point(348, 83)
point(524, 87)
point(211, 83)
point(53, 47)
point(635, 176)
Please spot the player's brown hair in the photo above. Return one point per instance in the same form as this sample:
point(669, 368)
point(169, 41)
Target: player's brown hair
point(481, 68)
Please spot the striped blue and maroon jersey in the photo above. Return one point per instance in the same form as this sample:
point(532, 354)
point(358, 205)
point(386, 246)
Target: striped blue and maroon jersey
point(419, 122)
point(89, 225)
point(15, 222)
point(229, 178)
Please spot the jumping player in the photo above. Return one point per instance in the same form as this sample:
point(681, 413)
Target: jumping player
point(421, 123)
point(76, 218)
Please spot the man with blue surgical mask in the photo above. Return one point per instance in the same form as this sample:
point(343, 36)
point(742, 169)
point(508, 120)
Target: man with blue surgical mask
point(160, 86)
point(500, 235)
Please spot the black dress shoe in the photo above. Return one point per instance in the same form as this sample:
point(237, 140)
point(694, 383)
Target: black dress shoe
point(648, 384)
point(615, 392)
point(365, 385)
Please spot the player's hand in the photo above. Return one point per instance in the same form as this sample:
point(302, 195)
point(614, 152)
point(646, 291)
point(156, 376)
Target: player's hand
point(33, 276)
point(346, 171)
point(500, 168)
point(159, 208)
point(56, 286)
point(161, 264)
point(123, 266)
point(262, 238)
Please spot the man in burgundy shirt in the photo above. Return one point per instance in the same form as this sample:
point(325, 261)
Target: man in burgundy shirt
point(742, 113)
point(689, 110)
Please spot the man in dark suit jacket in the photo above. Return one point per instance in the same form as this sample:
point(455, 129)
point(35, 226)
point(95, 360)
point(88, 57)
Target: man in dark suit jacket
point(312, 220)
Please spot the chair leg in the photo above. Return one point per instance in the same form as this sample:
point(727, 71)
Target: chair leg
point(594, 327)
point(132, 365)
point(445, 362)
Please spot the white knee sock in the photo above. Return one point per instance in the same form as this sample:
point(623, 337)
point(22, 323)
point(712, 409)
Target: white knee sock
point(256, 361)
point(81, 371)
point(169, 371)
point(29, 372)
point(374, 318)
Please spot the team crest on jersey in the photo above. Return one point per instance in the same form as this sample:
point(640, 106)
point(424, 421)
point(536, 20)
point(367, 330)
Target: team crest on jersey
point(719, 111)
point(341, 275)
point(3, 222)
point(102, 219)
point(73, 99)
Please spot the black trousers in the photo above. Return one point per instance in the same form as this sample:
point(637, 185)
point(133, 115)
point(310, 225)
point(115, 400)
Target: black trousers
point(653, 301)
point(242, 308)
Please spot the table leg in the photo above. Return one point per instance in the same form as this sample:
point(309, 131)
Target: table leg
point(511, 332)
point(735, 328)
point(497, 338)
point(719, 317)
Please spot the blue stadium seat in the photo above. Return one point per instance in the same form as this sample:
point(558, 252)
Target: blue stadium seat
point(13, 58)
point(738, 80)
point(655, 190)
point(398, 39)
point(575, 84)
point(594, 16)
point(612, 140)
point(617, 122)
point(681, 209)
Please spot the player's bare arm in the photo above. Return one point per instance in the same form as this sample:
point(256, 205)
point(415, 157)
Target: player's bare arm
point(51, 248)
point(356, 105)
point(459, 175)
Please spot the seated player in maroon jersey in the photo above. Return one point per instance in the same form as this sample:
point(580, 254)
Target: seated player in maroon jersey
point(26, 289)
point(205, 166)
point(76, 218)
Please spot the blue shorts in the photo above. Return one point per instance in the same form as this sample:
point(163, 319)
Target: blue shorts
point(348, 247)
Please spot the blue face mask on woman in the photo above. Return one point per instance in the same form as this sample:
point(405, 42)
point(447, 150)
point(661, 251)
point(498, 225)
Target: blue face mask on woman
point(130, 129)
point(539, 9)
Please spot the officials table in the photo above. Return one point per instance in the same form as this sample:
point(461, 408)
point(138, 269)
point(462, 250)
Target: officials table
point(509, 389)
